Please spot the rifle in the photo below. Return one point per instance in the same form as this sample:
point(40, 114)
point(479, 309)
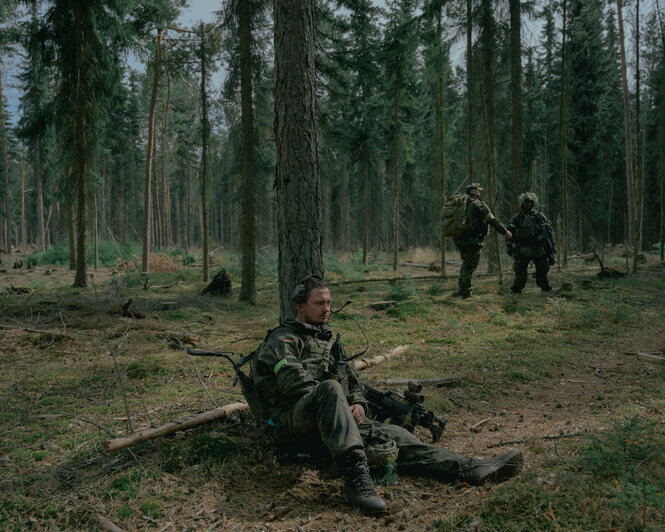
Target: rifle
point(543, 239)
point(404, 410)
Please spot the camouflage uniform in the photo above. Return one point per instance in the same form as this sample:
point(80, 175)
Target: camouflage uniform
point(527, 229)
point(307, 400)
point(471, 242)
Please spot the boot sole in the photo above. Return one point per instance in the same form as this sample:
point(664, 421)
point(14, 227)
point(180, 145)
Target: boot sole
point(368, 511)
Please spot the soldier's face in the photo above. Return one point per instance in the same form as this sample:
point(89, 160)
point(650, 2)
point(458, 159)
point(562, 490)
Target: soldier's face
point(316, 310)
point(527, 205)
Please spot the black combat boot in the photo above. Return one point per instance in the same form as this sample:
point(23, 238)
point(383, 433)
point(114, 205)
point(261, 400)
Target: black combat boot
point(358, 485)
point(496, 469)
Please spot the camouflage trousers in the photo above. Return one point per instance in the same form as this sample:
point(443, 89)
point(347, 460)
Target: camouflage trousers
point(324, 415)
point(520, 267)
point(470, 254)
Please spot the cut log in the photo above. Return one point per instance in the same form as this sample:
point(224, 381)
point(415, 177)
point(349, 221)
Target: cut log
point(169, 428)
point(646, 357)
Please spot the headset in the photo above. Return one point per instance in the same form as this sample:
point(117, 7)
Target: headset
point(300, 291)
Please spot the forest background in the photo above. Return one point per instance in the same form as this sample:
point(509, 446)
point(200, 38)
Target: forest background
point(154, 177)
point(399, 125)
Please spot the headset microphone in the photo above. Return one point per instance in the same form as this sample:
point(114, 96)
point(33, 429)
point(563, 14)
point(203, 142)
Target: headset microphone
point(348, 302)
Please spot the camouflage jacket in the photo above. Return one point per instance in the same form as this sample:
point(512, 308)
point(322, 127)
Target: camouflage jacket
point(529, 231)
point(293, 359)
point(479, 215)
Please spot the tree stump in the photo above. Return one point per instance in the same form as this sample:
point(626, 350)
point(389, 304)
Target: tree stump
point(219, 286)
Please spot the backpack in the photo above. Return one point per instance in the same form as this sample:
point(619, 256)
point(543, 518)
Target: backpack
point(453, 216)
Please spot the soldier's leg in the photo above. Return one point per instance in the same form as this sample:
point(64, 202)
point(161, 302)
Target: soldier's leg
point(470, 259)
point(520, 267)
point(542, 268)
point(416, 456)
point(324, 412)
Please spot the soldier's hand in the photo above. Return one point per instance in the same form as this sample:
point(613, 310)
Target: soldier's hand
point(509, 235)
point(358, 413)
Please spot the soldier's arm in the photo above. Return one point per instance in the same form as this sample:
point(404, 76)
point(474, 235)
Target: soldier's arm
point(489, 218)
point(355, 396)
point(279, 357)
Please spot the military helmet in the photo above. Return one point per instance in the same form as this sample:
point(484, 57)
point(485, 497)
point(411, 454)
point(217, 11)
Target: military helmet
point(381, 453)
point(473, 187)
point(529, 196)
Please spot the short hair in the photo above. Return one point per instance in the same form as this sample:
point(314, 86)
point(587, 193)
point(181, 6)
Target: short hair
point(304, 288)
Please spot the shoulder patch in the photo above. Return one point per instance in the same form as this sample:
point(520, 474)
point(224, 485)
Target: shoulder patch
point(288, 340)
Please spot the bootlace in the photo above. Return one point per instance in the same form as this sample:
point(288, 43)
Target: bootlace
point(362, 482)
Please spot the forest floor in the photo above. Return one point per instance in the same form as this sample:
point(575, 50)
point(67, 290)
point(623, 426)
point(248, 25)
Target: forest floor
point(547, 373)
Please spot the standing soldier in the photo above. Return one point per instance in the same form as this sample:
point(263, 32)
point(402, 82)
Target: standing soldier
point(469, 244)
point(533, 240)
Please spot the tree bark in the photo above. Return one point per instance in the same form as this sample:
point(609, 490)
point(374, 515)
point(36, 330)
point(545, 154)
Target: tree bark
point(469, 121)
point(72, 234)
point(396, 176)
point(441, 158)
point(488, 32)
point(5, 161)
point(630, 196)
point(147, 191)
point(81, 134)
point(24, 233)
point(563, 138)
point(636, 220)
point(297, 169)
point(205, 133)
point(248, 283)
point(516, 97)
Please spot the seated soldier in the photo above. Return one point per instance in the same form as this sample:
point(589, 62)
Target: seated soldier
point(303, 397)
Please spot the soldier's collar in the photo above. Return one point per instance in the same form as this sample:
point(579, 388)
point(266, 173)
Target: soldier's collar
point(324, 331)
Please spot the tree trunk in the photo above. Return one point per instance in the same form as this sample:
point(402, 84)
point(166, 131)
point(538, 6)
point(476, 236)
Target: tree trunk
point(297, 168)
point(563, 137)
point(516, 97)
point(81, 133)
point(205, 133)
point(469, 122)
point(248, 283)
point(72, 234)
point(636, 223)
point(39, 189)
point(396, 177)
point(367, 198)
point(488, 33)
point(147, 191)
point(441, 158)
point(95, 232)
point(24, 233)
point(5, 161)
point(630, 196)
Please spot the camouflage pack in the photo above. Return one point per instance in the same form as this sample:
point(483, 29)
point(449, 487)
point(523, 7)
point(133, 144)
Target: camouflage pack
point(453, 216)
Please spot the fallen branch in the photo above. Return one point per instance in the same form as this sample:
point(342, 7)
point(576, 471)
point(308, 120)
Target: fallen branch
point(553, 437)
point(442, 381)
point(36, 331)
point(188, 422)
point(150, 433)
point(105, 524)
point(364, 364)
point(646, 357)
